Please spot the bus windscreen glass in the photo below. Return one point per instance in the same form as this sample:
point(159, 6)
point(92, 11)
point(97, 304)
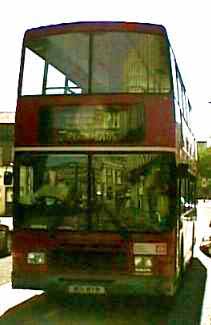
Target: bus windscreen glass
point(99, 192)
point(81, 63)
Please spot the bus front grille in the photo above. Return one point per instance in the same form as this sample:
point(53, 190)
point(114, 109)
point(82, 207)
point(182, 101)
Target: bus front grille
point(89, 260)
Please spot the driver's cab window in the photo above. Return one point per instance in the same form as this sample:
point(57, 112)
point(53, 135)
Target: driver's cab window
point(26, 185)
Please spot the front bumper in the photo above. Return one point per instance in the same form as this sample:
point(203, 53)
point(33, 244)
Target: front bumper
point(106, 285)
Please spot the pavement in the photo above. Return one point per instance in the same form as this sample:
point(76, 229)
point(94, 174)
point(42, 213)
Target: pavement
point(189, 300)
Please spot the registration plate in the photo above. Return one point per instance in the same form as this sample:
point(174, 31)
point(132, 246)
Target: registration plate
point(86, 290)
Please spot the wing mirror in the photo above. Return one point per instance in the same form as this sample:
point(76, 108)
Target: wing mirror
point(8, 176)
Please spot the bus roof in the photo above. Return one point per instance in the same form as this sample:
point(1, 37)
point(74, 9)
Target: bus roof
point(93, 26)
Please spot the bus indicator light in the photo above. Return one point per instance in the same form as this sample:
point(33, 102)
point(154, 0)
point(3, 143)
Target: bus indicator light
point(36, 258)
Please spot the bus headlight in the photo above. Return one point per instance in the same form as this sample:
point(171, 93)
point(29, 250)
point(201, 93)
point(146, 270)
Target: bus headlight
point(143, 264)
point(36, 258)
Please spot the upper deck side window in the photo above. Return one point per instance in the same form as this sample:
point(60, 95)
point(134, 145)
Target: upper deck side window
point(180, 94)
point(56, 65)
point(100, 62)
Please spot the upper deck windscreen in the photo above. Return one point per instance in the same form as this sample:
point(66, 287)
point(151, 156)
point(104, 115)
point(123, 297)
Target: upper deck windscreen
point(96, 62)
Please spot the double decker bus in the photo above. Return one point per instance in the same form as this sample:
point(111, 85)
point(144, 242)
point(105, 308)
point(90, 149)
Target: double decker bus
point(104, 177)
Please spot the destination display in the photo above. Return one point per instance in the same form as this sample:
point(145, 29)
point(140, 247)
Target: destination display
point(92, 124)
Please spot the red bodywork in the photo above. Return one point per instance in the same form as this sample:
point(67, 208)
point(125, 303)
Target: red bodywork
point(116, 275)
point(160, 130)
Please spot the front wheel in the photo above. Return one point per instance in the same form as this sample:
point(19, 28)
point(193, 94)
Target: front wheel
point(7, 244)
point(182, 262)
point(193, 242)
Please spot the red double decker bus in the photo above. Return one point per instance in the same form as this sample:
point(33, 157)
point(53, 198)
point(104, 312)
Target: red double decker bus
point(104, 177)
